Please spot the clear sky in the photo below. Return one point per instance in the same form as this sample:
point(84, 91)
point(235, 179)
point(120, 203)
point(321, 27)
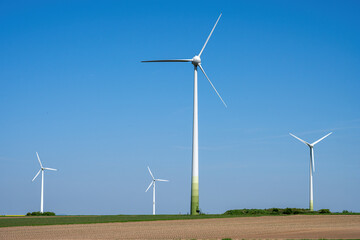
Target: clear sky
point(73, 89)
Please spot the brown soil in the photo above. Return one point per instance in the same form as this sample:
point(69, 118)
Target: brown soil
point(269, 227)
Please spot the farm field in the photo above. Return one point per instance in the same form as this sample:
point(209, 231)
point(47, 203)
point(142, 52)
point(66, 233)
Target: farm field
point(279, 227)
point(87, 219)
point(12, 221)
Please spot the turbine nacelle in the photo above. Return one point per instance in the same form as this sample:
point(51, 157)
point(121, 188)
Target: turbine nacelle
point(196, 60)
point(42, 168)
point(311, 146)
point(154, 180)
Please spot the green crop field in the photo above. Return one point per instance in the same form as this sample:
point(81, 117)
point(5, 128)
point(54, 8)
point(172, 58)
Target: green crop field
point(86, 219)
point(7, 221)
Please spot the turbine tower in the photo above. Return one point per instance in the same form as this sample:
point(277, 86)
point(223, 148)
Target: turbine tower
point(312, 166)
point(42, 169)
point(153, 183)
point(196, 61)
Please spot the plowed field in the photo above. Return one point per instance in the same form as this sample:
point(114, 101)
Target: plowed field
point(269, 227)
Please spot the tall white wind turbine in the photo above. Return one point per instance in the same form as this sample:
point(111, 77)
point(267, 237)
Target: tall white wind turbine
point(153, 184)
point(196, 61)
point(312, 166)
point(42, 169)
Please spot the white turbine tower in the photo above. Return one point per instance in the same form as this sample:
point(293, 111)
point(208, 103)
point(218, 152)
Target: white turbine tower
point(312, 166)
point(196, 61)
point(42, 169)
point(153, 183)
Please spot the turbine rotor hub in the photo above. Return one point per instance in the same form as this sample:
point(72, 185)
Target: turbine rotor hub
point(196, 60)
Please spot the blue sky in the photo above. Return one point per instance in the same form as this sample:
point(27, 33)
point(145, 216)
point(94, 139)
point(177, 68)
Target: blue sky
point(73, 89)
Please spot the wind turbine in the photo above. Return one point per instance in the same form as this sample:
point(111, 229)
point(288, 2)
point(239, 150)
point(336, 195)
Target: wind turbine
point(196, 61)
point(153, 183)
point(312, 165)
point(42, 169)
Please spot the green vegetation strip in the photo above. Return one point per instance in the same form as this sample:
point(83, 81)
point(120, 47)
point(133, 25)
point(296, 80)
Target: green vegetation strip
point(60, 220)
point(86, 219)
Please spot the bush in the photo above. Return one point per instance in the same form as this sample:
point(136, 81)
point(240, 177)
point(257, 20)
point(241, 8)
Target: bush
point(274, 210)
point(270, 211)
point(301, 211)
point(297, 211)
point(288, 211)
point(324, 211)
point(345, 211)
point(40, 214)
point(247, 212)
point(255, 211)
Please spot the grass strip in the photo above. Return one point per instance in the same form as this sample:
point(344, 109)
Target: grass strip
point(88, 219)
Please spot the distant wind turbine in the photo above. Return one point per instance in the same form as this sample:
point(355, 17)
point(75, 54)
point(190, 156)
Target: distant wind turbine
point(312, 166)
point(153, 184)
point(196, 61)
point(42, 169)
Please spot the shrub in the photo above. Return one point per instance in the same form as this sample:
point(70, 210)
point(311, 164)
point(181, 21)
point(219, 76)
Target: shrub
point(288, 211)
point(256, 211)
point(270, 211)
point(40, 214)
point(234, 212)
point(296, 211)
point(247, 212)
point(345, 211)
point(33, 214)
point(324, 211)
point(300, 211)
point(48, 214)
point(274, 210)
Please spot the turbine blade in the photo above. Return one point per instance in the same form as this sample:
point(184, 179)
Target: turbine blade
point(36, 175)
point(212, 85)
point(301, 140)
point(209, 35)
point(151, 173)
point(149, 186)
point(39, 159)
point(52, 169)
point(170, 60)
point(313, 159)
point(161, 180)
point(320, 139)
